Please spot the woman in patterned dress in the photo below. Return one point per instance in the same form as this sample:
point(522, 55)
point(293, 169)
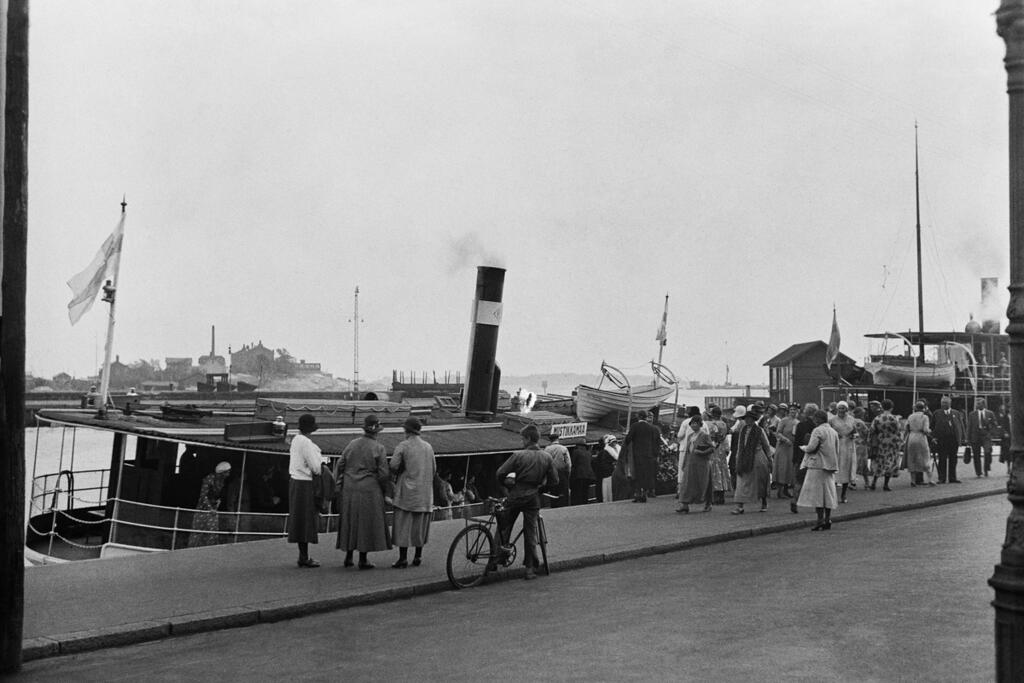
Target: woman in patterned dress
point(861, 441)
point(206, 517)
point(884, 445)
point(721, 482)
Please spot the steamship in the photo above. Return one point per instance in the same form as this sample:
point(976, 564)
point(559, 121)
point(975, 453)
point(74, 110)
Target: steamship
point(963, 365)
point(145, 498)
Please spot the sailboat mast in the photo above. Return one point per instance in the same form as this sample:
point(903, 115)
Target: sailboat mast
point(920, 295)
point(355, 344)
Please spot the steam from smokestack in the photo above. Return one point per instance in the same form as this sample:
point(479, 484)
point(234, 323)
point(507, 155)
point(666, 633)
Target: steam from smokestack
point(469, 251)
point(991, 312)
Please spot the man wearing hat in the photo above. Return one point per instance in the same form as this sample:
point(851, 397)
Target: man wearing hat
point(414, 463)
point(524, 472)
point(364, 483)
point(304, 460)
point(563, 465)
point(644, 443)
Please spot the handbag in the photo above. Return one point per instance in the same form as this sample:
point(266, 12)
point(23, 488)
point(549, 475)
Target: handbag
point(967, 455)
point(324, 489)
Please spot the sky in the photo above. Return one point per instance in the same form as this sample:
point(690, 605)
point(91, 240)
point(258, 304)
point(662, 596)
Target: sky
point(752, 161)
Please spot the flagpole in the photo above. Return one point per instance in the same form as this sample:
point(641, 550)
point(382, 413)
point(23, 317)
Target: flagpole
point(110, 296)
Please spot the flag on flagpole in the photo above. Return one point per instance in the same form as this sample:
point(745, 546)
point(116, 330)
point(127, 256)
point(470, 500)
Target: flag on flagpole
point(104, 266)
point(662, 335)
point(832, 352)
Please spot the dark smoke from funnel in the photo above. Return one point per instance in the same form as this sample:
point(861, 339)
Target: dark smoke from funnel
point(468, 250)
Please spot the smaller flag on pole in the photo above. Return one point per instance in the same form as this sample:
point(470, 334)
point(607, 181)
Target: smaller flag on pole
point(832, 352)
point(662, 335)
point(86, 284)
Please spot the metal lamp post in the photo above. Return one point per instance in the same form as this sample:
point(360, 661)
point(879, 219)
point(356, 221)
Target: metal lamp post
point(1008, 579)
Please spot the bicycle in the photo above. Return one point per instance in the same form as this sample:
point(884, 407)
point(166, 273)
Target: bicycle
point(474, 552)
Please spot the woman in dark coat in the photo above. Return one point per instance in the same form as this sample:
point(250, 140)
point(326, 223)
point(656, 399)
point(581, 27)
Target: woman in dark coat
point(582, 476)
point(364, 483)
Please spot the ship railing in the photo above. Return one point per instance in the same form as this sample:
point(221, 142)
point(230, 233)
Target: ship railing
point(172, 528)
point(82, 488)
point(76, 518)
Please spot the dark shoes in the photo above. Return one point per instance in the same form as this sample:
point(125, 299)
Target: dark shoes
point(349, 563)
point(308, 563)
point(416, 561)
point(822, 526)
point(367, 565)
point(792, 508)
point(400, 564)
point(530, 574)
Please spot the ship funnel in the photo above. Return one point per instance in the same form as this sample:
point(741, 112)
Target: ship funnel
point(990, 313)
point(480, 394)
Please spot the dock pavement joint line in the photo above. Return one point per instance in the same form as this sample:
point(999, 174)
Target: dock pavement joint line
point(267, 612)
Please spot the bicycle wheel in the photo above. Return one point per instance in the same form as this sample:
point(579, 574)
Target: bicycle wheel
point(469, 555)
point(542, 540)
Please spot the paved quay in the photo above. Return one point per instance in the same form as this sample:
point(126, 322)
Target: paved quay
point(104, 603)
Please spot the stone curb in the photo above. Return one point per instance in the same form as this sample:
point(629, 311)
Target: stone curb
point(278, 610)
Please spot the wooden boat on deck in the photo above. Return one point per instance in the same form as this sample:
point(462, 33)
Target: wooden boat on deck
point(901, 371)
point(593, 403)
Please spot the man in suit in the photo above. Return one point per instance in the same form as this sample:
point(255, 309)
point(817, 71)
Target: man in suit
point(644, 441)
point(948, 432)
point(980, 425)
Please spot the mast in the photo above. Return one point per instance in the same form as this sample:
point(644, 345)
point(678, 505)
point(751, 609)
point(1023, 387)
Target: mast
point(355, 344)
point(920, 296)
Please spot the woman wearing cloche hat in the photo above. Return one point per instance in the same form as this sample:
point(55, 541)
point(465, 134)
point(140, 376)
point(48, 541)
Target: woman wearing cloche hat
point(414, 463)
point(364, 483)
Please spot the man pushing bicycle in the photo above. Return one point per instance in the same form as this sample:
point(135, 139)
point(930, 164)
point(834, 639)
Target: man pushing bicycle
point(523, 474)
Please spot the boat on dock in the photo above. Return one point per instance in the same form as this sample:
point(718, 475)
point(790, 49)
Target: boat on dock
point(145, 499)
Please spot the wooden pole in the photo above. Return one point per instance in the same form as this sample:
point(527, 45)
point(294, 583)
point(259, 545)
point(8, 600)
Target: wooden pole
point(1008, 579)
point(12, 333)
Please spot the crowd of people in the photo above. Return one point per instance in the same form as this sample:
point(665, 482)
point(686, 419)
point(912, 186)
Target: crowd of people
point(809, 456)
point(815, 457)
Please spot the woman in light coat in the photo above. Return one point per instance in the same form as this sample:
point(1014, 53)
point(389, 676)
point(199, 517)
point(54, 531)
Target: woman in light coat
point(414, 463)
point(821, 460)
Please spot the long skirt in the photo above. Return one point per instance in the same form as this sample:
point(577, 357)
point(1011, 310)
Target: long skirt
point(621, 486)
point(362, 525)
point(721, 480)
point(862, 460)
point(752, 486)
point(847, 461)
point(411, 529)
point(302, 517)
point(695, 481)
point(819, 490)
point(782, 465)
point(919, 455)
